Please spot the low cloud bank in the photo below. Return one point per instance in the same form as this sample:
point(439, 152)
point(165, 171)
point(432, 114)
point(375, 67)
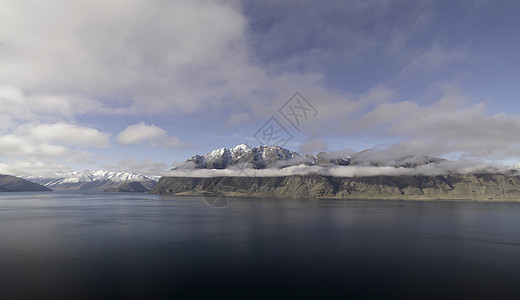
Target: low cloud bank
point(443, 168)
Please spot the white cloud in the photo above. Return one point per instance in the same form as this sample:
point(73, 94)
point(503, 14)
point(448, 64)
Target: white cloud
point(13, 145)
point(140, 55)
point(343, 171)
point(138, 133)
point(19, 106)
point(32, 167)
point(153, 135)
point(454, 123)
point(30, 148)
point(68, 134)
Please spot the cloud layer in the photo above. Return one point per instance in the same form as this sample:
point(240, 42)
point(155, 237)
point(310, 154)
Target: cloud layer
point(443, 168)
point(139, 55)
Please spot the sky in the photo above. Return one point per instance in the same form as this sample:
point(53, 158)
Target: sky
point(141, 85)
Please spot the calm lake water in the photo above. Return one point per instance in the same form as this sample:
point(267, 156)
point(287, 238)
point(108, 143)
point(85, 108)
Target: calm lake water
point(117, 245)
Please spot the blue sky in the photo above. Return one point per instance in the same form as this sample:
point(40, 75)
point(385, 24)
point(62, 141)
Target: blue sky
point(141, 85)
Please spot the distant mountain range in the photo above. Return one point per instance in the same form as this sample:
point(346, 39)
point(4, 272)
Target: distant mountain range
point(99, 180)
point(15, 184)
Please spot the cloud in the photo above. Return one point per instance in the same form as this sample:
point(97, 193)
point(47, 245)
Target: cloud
point(442, 168)
point(50, 140)
point(313, 146)
point(67, 134)
point(138, 133)
point(31, 147)
point(237, 62)
point(158, 57)
point(32, 167)
point(139, 55)
point(452, 124)
point(145, 167)
point(18, 106)
point(435, 58)
point(13, 145)
point(315, 35)
point(153, 135)
point(136, 57)
point(237, 119)
point(376, 95)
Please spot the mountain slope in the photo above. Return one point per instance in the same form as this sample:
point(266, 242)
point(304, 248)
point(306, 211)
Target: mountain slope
point(128, 187)
point(455, 186)
point(14, 184)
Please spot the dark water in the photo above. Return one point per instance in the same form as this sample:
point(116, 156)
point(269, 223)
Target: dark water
point(99, 245)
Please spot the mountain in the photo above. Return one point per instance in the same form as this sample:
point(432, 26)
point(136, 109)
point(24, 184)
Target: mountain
point(128, 187)
point(100, 180)
point(262, 157)
point(14, 184)
point(514, 167)
point(258, 157)
point(492, 184)
point(455, 186)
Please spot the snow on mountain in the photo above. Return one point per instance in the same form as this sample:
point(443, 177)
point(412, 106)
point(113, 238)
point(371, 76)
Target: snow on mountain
point(259, 157)
point(514, 167)
point(90, 176)
point(262, 157)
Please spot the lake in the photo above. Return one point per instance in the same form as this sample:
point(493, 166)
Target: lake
point(121, 245)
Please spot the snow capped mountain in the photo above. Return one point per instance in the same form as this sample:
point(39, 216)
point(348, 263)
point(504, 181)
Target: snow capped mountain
point(262, 157)
point(98, 175)
point(514, 167)
point(259, 157)
point(92, 180)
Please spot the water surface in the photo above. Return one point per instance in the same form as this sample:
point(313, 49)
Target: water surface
point(118, 245)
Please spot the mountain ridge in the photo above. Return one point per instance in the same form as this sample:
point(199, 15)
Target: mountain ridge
point(262, 157)
point(382, 176)
point(483, 187)
point(10, 183)
point(96, 180)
